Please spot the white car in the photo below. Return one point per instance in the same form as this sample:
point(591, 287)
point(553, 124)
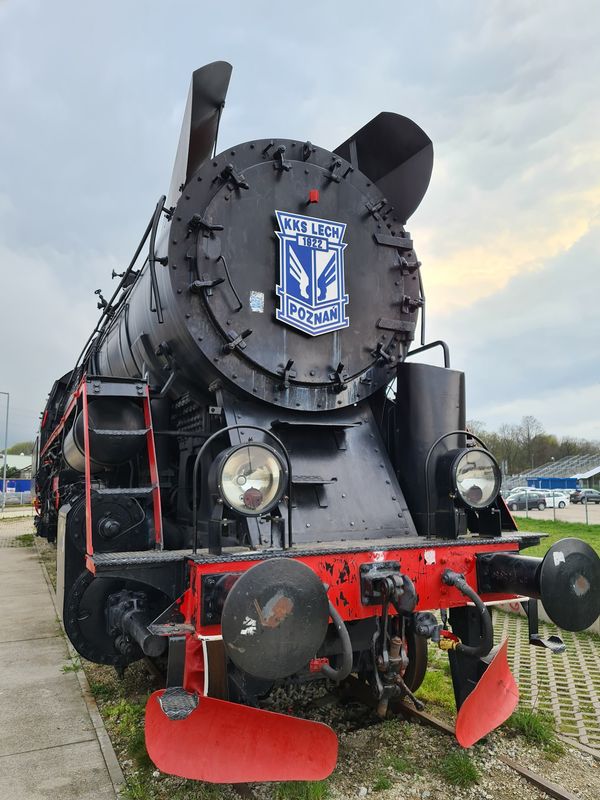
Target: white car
point(556, 499)
point(521, 489)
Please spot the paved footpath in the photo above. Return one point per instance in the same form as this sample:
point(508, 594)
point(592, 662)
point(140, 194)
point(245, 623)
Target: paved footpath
point(49, 735)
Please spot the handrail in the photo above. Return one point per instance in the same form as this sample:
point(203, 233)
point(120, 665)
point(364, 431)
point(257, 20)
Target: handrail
point(152, 257)
point(438, 342)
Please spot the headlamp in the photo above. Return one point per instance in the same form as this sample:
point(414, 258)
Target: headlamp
point(250, 478)
point(475, 477)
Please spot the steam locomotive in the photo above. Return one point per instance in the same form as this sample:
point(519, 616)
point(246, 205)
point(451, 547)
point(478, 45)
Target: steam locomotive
point(249, 478)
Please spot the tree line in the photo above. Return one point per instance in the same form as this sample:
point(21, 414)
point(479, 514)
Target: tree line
point(526, 445)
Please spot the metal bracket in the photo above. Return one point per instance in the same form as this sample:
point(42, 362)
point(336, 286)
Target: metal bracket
point(287, 372)
point(410, 304)
point(396, 325)
point(399, 242)
point(197, 222)
point(307, 150)
point(381, 354)
point(333, 171)
point(553, 643)
point(205, 285)
point(371, 577)
point(171, 622)
point(406, 267)
point(102, 302)
point(375, 208)
point(280, 162)
point(237, 340)
point(230, 174)
point(338, 378)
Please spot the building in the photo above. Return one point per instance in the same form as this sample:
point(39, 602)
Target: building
point(591, 478)
point(22, 463)
point(571, 472)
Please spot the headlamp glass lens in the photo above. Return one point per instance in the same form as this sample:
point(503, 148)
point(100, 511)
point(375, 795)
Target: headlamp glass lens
point(477, 478)
point(251, 479)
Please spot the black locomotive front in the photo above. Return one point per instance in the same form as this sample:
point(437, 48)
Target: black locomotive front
point(245, 467)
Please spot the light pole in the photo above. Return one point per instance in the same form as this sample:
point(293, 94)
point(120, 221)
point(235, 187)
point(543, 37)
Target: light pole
point(5, 452)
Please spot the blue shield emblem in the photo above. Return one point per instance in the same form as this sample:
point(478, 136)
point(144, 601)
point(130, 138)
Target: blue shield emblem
point(311, 282)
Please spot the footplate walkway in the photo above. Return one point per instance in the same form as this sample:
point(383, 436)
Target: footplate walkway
point(50, 738)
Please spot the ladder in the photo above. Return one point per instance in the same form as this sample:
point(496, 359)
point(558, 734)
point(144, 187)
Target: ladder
point(132, 389)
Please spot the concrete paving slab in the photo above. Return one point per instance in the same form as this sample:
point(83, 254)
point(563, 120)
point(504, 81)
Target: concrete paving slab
point(36, 717)
point(18, 585)
point(53, 745)
point(36, 618)
point(33, 662)
point(21, 559)
point(73, 772)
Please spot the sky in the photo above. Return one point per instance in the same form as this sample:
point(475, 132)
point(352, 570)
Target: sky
point(91, 99)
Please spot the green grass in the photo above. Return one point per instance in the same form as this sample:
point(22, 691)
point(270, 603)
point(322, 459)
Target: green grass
point(301, 790)
point(399, 764)
point(437, 688)
point(536, 727)
point(558, 530)
point(25, 540)
point(128, 720)
point(136, 788)
point(102, 691)
point(382, 782)
point(74, 665)
point(140, 786)
point(458, 769)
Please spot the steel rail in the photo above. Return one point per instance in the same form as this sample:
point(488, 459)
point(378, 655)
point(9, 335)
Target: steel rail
point(539, 781)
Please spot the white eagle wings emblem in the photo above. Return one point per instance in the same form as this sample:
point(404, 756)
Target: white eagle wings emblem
point(311, 284)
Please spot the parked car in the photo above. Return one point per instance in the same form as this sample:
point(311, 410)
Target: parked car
point(521, 500)
point(556, 498)
point(585, 496)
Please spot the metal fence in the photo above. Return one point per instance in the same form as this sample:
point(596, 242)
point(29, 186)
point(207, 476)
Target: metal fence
point(15, 499)
point(558, 507)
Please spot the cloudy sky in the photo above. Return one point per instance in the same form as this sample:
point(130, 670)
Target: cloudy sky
point(91, 97)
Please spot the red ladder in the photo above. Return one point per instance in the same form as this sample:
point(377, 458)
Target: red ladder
point(142, 393)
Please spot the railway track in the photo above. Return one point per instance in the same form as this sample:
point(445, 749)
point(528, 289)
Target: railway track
point(549, 788)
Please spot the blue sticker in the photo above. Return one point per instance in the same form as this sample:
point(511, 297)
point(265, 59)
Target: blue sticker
point(311, 282)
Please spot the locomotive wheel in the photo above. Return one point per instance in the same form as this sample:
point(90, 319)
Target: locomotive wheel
point(85, 619)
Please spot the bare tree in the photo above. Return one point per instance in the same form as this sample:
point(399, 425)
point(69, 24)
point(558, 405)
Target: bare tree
point(529, 429)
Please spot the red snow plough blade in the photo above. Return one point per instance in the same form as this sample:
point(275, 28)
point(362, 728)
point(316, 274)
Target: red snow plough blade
point(490, 703)
point(222, 742)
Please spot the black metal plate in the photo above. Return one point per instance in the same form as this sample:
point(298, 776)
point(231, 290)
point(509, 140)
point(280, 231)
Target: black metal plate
point(570, 584)
point(275, 618)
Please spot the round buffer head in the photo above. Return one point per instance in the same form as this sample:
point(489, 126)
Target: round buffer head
point(275, 618)
point(570, 584)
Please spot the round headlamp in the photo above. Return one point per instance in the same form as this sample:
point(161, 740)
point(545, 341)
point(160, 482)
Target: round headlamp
point(476, 477)
point(250, 478)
